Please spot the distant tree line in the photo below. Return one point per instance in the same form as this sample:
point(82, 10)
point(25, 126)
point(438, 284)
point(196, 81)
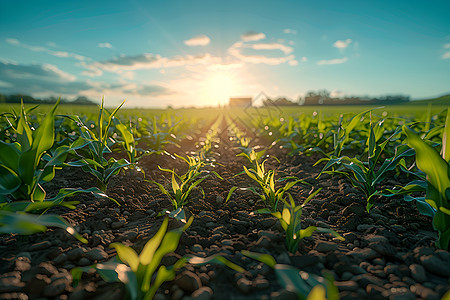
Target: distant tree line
point(17, 98)
point(323, 97)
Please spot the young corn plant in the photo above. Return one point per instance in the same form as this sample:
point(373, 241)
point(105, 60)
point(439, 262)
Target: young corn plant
point(91, 147)
point(25, 164)
point(290, 220)
point(437, 170)
point(183, 185)
point(270, 195)
point(142, 274)
point(367, 175)
point(307, 286)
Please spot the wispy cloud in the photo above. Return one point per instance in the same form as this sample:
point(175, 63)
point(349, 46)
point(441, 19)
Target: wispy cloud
point(289, 31)
point(304, 59)
point(333, 61)
point(200, 40)
point(273, 46)
point(17, 43)
point(253, 36)
point(146, 61)
point(236, 51)
point(446, 54)
point(35, 79)
point(342, 44)
point(104, 45)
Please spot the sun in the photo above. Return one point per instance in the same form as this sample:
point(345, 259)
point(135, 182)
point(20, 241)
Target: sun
point(219, 87)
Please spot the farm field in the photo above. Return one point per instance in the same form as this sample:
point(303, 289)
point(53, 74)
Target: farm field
point(258, 203)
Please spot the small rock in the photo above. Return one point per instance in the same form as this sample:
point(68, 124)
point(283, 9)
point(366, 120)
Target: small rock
point(84, 262)
point(401, 293)
point(37, 284)
point(96, 254)
point(46, 268)
point(261, 284)
point(10, 282)
point(364, 254)
point(196, 248)
point(177, 294)
point(128, 235)
point(244, 285)
point(398, 228)
point(60, 259)
point(263, 242)
point(349, 285)
point(151, 213)
point(55, 288)
point(418, 273)
point(325, 246)
point(346, 276)
point(22, 264)
point(117, 225)
point(283, 295)
point(188, 281)
point(435, 264)
point(203, 293)
point(40, 246)
point(75, 253)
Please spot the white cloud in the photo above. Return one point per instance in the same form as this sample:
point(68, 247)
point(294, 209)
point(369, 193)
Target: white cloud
point(51, 44)
point(13, 41)
point(147, 61)
point(104, 45)
point(289, 31)
point(65, 54)
point(304, 59)
point(253, 36)
point(446, 55)
point(333, 61)
point(34, 79)
point(293, 62)
point(273, 46)
point(342, 44)
point(201, 40)
point(236, 51)
point(447, 46)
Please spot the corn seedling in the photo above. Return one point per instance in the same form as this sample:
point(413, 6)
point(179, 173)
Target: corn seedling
point(290, 220)
point(437, 169)
point(92, 146)
point(140, 273)
point(307, 286)
point(367, 175)
point(270, 195)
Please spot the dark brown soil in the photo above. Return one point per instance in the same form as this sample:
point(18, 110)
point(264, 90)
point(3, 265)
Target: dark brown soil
point(388, 254)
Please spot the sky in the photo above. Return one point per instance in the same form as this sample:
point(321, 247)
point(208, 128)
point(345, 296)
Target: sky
point(199, 53)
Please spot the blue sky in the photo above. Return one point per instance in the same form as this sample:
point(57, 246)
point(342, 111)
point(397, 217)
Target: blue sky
point(199, 53)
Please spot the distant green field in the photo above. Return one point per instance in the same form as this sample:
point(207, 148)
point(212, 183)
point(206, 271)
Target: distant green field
point(413, 109)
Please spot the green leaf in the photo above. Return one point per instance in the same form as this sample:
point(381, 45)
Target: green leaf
point(9, 155)
point(23, 223)
point(127, 255)
point(446, 138)
point(265, 258)
point(429, 161)
point(9, 180)
point(230, 193)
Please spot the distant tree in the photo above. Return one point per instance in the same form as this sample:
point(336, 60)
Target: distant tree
point(82, 100)
point(2, 98)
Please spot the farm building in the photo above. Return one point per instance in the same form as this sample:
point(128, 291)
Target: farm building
point(241, 102)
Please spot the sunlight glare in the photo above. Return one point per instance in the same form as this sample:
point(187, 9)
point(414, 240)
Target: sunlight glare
point(219, 88)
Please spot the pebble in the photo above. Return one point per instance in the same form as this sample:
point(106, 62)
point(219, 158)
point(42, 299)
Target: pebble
point(46, 268)
point(188, 281)
point(10, 282)
point(203, 293)
point(261, 284)
point(346, 276)
point(437, 264)
point(244, 285)
point(60, 259)
point(401, 293)
point(117, 225)
point(75, 253)
point(348, 285)
point(150, 212)
point(226, 242)
point(322, 224)
point(283, 295)
point(325, 246)
point(40, 246)
point(96, 254)
point(398, 228)
point(364, 254)
point(263, 242)
point(418, 272)
point(196, 248)
point(55, 288)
